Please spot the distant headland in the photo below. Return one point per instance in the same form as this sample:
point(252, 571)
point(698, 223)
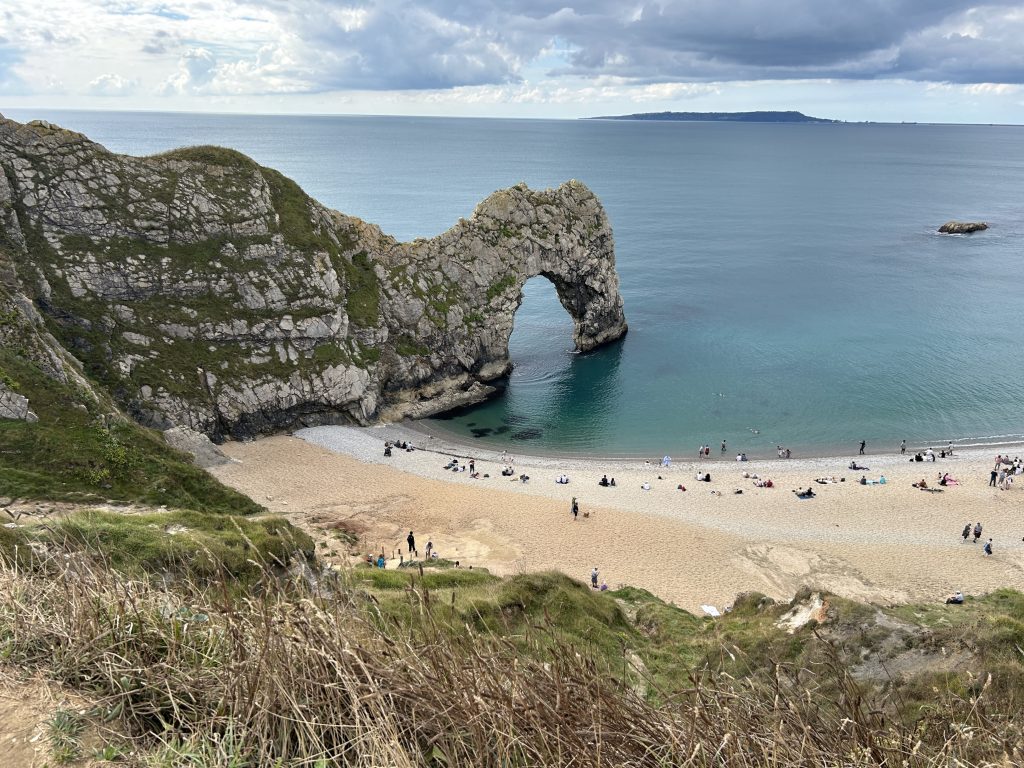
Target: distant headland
point(721, 117)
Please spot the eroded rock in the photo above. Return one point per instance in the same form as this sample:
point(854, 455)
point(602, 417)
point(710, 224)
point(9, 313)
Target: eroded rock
point(962, 227)
point(214, 294)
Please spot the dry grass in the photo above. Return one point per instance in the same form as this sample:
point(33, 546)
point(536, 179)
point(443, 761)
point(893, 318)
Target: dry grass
point(313, 675)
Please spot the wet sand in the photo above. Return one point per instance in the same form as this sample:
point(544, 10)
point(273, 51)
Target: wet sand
point(882, 543)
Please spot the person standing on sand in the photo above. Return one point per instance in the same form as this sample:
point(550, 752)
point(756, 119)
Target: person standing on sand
point(593, 578)
point(411, 541)
point(992, 477)
point(575, 508)
point(977, 532)
point(862, 444)
point(903, 447)
point(967, 532)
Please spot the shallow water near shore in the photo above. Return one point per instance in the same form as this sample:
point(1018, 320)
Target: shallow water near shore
point(784, 284)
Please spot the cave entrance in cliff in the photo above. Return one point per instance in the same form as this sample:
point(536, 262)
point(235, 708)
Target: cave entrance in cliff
point(541, 344)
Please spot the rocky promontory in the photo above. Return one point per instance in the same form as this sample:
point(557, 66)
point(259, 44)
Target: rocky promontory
point(206, 291)
point(962, 227)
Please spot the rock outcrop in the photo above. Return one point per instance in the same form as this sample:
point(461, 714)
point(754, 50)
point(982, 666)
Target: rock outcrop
point(197, 445)
point(962, 227)
point(14, 406)
point(206, 291)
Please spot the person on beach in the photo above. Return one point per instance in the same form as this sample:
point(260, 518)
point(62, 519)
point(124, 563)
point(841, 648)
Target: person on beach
point(977, 532)
point(603, 482)
point(957, 598)
point(645, 486)
point(593, 578)
point(430, 548)
point(411, 541)
point(604, 585)
point(862, 445)
point(988, 548)
point(992, 477)
point(575, 508)
point(966, 532)
point(723, 446)
point(903, 447)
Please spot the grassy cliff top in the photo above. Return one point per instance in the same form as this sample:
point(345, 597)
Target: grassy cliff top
point(437, 666)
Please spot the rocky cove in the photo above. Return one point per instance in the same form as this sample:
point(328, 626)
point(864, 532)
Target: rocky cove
point(206, 291)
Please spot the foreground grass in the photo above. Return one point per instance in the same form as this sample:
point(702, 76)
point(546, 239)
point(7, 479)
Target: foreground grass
point(445, 667)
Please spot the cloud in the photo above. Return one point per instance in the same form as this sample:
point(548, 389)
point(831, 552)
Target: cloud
point(160, 42)
point(388, 44)
point(10, 58)
point(111, 85)
point(658, 49)
point(196, 69)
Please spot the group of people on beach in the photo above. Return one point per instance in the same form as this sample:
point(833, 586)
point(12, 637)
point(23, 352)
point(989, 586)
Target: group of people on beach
point(976, 531)
point(1004, 471)
point(401, 445)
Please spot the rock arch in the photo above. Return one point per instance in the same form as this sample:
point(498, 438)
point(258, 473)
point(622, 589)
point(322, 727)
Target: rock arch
point(207, 291)
point(514, 235)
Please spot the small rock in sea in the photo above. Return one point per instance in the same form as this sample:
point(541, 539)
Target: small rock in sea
point(962, 227)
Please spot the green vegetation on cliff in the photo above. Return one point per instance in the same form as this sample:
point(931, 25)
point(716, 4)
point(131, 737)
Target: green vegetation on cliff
point(74, 453)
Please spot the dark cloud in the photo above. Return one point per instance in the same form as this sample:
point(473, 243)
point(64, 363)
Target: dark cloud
point(391, 44)
point(161, 42)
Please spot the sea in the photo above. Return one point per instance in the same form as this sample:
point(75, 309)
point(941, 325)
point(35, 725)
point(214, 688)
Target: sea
point(784, 284)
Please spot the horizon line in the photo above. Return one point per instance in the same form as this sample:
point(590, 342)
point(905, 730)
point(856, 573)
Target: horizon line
point(616, 118)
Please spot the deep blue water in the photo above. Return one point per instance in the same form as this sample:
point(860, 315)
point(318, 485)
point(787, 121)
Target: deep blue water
point(780, 278)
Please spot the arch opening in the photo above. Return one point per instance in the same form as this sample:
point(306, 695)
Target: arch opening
point(542, 329)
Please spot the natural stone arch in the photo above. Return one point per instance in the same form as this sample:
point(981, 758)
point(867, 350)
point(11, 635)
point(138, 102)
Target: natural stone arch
point(210, 292)
point(513, 236)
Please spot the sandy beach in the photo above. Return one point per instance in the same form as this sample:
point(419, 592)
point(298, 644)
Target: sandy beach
point(883, 543)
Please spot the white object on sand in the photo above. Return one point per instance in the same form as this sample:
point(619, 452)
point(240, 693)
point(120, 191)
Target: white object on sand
point(710, 610)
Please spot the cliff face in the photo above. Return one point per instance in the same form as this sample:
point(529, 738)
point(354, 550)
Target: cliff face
point(204, 290)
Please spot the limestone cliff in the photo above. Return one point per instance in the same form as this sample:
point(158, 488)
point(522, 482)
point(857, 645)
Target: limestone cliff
point(207, 291)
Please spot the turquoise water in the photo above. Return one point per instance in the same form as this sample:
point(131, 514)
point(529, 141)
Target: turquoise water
point(779, 278)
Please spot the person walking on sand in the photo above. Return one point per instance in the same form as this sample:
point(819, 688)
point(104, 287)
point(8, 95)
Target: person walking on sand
point(977, 532)
point(988, 548)
point(992, 477)
point(862, 444)
point(593, 578)
point(575, 508)
point(903, 447)
point(411, 541)
point(967, 532)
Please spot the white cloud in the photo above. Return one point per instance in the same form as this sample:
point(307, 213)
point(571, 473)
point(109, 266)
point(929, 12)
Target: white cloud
point(496, 51)
point(111, 85)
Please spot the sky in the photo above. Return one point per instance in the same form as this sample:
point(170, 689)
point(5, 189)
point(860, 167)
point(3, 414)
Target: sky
point(879, 60)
